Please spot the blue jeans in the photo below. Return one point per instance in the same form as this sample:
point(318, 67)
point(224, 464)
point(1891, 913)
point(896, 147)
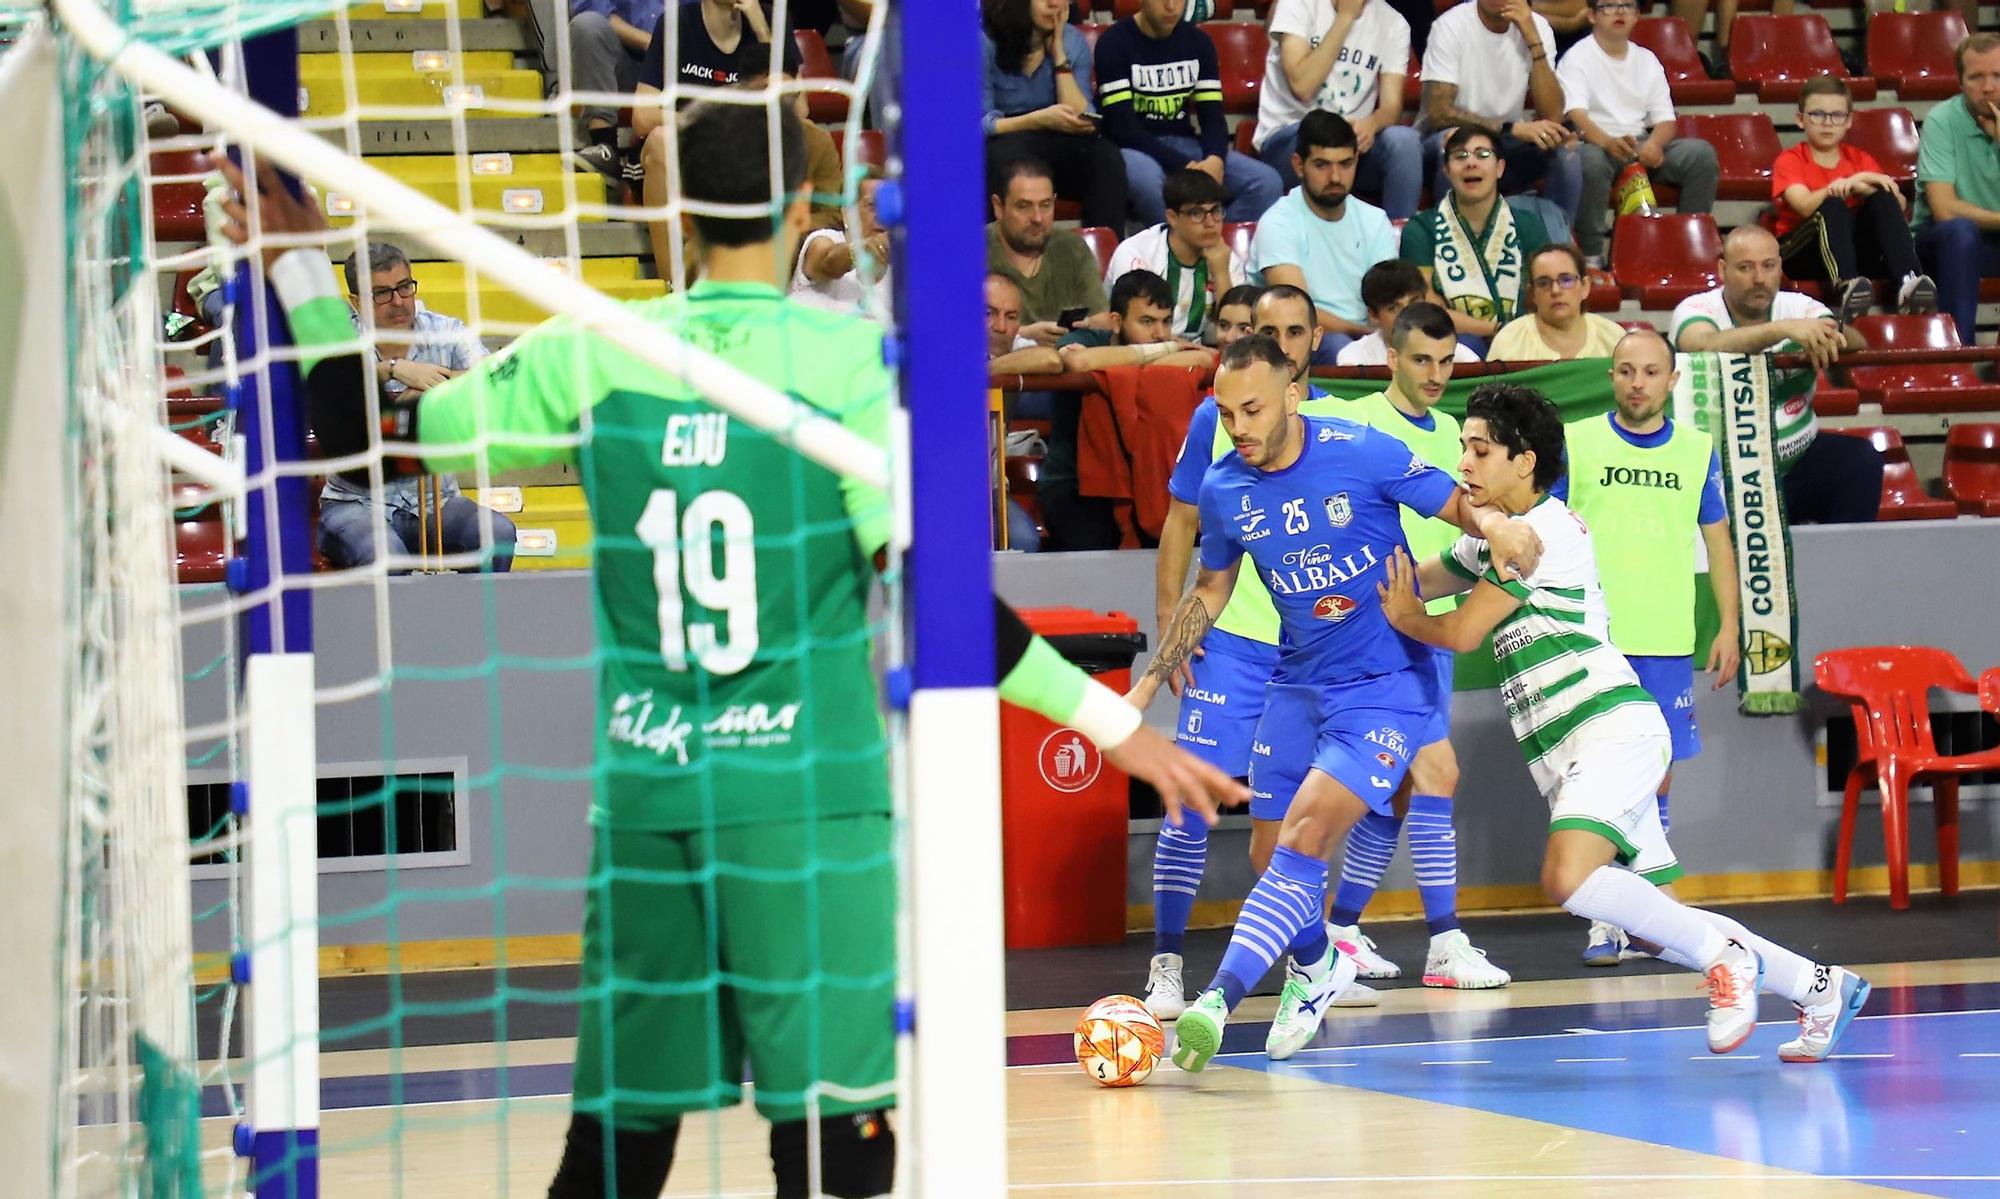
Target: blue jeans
point(1251, 185)
point(1330, 346)
point(1390, 174)
point(349, 533)
point(1559, 171)
point(1959, 256)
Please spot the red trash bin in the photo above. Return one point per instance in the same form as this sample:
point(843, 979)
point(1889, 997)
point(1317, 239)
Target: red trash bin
point(1064, 809)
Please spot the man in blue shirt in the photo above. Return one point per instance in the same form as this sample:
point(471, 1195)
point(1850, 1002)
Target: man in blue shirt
point(1315, 503)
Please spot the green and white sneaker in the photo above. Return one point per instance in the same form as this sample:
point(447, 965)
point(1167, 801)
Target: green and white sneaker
point(1198, 1033)
point(1303, 1002)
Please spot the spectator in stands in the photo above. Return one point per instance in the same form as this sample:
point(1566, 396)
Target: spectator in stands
point(1054, 268)
point(1616, 95)
point(1389, 287)
point(1161, 94)
point(1348, 57)
point(1188, 251)
point(1474, 247)
point(1037, 103)
point(1827, 480)
point(1319, 238)
point(1841, 218)
point(831, 274)
point(1484, 59)
point(415, 350)
point(1007, 351)
point(1236, 315)
point(1557, 327)
point(1958, 183)
point(719, 44)
point(1140, 331)
point(608, 44)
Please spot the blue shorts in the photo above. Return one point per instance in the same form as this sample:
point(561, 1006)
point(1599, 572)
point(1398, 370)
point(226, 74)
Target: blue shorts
point(1219, 713)
point(1444, 664)
point(1670, 681)
point(1361, 733)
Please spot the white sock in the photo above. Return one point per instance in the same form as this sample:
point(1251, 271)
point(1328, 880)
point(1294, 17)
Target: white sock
point(1785, 973)
point(1621, 898)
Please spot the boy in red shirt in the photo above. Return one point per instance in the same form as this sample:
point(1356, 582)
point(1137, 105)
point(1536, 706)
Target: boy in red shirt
point(1840, 217)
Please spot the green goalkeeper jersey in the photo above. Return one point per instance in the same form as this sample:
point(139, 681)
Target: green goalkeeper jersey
point(732, 574)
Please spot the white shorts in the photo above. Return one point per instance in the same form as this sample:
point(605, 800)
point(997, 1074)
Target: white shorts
point(1611, 788)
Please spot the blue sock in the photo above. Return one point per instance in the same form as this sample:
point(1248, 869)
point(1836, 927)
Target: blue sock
point(1370, 845)
point(1178, 858)
point(1289, 898)
point(1663, 812)
point(1434, 853)
point(1310, 945)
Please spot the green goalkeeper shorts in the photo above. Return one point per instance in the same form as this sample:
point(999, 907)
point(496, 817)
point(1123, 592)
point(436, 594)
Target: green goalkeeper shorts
point(771, 943)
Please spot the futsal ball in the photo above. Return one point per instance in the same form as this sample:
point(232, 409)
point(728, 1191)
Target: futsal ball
point(1118, 1042)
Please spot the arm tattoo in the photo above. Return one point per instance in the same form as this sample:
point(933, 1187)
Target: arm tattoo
point(1189, 625)
point(1440, 102)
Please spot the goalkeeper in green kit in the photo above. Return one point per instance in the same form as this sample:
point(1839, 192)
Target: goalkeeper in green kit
point(742, 894)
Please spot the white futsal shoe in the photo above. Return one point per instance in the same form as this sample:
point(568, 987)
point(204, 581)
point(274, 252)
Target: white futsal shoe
point(1166, 997)
point(1733, 980)
point(1368, 964)
point(1830, 1007)
point(1303, 1002)
point(1455, 962)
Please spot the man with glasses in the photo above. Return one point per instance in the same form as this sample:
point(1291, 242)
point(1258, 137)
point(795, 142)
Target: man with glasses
point(1616, 95)
point(1474, 246)
point(415, 350)
point(1490, 63)
point(1188, 251)
point(1557, 327)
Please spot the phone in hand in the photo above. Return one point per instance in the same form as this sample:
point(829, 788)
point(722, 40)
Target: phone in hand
point(1072, 317)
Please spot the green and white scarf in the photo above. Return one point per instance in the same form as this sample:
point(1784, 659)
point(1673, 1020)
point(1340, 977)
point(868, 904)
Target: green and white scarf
point(1731, 398)
point(1478, 284)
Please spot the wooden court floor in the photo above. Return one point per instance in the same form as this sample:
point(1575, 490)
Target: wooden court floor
point(1596, 1086)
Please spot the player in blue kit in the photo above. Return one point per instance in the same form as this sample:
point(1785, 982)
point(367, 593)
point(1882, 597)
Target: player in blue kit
point(1314, 502)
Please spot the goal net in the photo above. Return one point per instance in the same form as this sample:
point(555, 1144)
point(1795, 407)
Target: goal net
point(417, 792)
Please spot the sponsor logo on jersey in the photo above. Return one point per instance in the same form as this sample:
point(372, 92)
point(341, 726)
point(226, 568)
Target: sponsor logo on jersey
point(1381, 784)
point(1794, 406)
point(1316, 569)
point(1248, 520)
point(1259, 748)
point(1417, 466)
point(1339, 510)
point(1388, 761)
point(1636, 476)
point(1326, 434)
point(1069, 762)
point(1389, 738)
point(1335, 608)
point(1202, 695)
point(632, 724)
point(1194, 721)
point(752, 725)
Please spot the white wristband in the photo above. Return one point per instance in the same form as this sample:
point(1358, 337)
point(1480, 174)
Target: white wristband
point(1105, 717)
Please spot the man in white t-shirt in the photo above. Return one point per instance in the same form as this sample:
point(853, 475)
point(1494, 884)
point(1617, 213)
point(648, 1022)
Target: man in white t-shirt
point(832, 275)
point(1388, 288)
point(1486, 61)
point(1827, 480)
point(1188, 251)
point(1616, 95)
point(1349, 57)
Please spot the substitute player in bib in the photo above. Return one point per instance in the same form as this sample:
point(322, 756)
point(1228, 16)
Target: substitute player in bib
point(1422, 349)
point(1594, 739)
point(1313, 502)
point(742, 896)
point(1647, 485)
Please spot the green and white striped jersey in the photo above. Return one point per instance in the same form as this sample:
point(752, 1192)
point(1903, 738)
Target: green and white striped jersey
point(1562, 681)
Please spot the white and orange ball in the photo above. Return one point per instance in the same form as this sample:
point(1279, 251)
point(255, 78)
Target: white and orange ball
point(1118, 1042)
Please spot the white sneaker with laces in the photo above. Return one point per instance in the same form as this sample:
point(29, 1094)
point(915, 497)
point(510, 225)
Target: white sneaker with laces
point(1733, 980)
point(1832, 1005)
point(1367, 962)
point(1303, 1003)
point(1606, 946)
point(1454, 962)
point(1165, 997)
point(1917, 296)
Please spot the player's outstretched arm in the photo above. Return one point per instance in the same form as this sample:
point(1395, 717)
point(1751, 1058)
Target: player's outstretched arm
point(1461, 629)
point(1182, 634)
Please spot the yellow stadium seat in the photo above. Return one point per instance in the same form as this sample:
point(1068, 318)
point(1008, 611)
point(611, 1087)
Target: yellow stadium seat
point(436, 60)
point(552, 525)
point(492, 195)
point(326, 97)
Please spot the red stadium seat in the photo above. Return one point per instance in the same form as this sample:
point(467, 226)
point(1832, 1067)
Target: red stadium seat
point(871, 149)
point(1636, 326)
point(201, 550)
point(1830, 399)
point(177, 206)
point(1092, 30)
point(1926, 387)
point(1662, 260)
point(1023, 475)
point(1126, 8)
point(1912, 52)
point(1776, 55)
point(1240, 49)
point(1101, 242)
point(1604, 294)
point(1903, 494)
point(1239, 235)
point(1687, 78)
point(1890, 134)
point(816, 63)
point(1972, 468)
point(1746, 143)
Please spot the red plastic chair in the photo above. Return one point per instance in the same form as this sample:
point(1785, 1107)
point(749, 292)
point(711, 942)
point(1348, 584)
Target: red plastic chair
point(1890, 134)
point(1903, 494)
point(1831, 399)
point(815, 63)
point(1661, 260)
point(1102, 242)
point(1888, 690)
point(1240, 49)
point(1972, 472)
point(1687, 78)
point(871, 149)
point(1239, 235)
point(201, 550)
point(1092, 30)
point(1912, 52)
point(177, 206)
point(1776, 55)
point(1926, 387)
point(1746, 143)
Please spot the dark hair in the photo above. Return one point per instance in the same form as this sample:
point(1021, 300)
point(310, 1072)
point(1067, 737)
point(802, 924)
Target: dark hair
point(1422, 317)
point(1323, 130)
point(1140, 285)
point(1004, 172)
point(1011, 25)
point(1560, 247)
point(1256, 348)
point(1462, 136)
point(725, 158)
point(1390, 280)
point(1520, 419)
point(1189, 186)
point(1825, 85)
point(381, 256)
point(1246, 294)
point(1285, 291)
